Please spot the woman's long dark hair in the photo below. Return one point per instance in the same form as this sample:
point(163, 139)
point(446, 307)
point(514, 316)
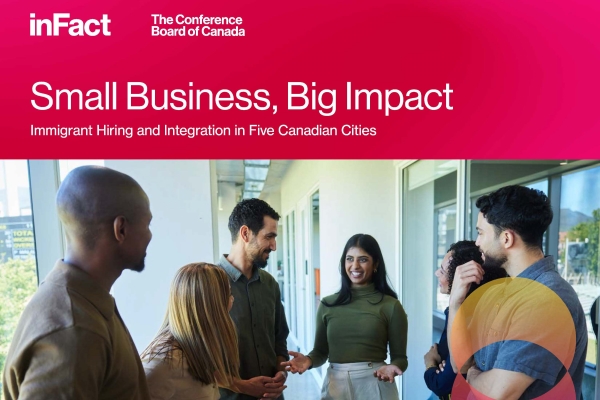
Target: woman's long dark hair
point(380, 279)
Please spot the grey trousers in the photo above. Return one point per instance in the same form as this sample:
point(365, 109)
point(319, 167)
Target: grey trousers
point(355, 381)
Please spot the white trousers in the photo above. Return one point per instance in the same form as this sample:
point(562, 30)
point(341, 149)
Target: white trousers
point(355, 381)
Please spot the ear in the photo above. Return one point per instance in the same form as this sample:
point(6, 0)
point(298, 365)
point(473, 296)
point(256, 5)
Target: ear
point(120, 228)
point(508, 238)
point(245, 234)
point(375, 266)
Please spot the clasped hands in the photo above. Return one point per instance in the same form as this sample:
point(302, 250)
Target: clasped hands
point(263, 387)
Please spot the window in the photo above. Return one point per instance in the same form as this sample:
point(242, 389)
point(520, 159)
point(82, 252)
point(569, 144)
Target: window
point(18, 269)
point(578, 246)
point(446, 236)
point(576, 223)
point(291, 273)
point(487, 176)
point(316, 250)
point(429, 221)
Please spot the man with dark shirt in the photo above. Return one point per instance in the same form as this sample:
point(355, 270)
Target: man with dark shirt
point(257, 310)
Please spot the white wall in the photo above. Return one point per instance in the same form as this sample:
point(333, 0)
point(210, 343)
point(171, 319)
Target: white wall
point(418, 248)
point(182, 232)
point(355, 197)
point(274, 200)
point(214, 190)
point(225, 204)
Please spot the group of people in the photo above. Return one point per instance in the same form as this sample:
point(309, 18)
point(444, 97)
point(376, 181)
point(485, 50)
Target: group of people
point(225, 333)
point(514, 328)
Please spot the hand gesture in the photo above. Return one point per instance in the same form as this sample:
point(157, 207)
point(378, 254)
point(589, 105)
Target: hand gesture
point(464, 277)
point(387, 373)
point(299, 363)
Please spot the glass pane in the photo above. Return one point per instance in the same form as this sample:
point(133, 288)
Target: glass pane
point(579, 235)
point(256, 173)
point(429, 220)
point(541, 185)
point(446, 235)
point(489, 175)
point(291, 256)
point(316, 250)
point(316, 264)
point(303, 295)
point(18, 269)
point(280, 269)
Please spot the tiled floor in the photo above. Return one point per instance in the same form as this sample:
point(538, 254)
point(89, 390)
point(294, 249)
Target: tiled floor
point(301, 387)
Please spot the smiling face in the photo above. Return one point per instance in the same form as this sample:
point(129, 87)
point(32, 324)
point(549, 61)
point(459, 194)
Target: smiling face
point(359, 266)
point(442, 274)
point(263, 243)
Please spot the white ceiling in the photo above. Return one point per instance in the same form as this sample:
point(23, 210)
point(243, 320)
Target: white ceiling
point(233, 171)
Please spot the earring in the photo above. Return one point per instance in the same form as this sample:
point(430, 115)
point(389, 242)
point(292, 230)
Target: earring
point(375, 271)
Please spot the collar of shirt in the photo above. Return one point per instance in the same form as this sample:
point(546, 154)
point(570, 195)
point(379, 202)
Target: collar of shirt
point(78, 281)
point(235, 273)
point(536, 269)
point(531, 274)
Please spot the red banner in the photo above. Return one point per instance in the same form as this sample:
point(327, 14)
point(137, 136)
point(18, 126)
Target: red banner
point(310, 79)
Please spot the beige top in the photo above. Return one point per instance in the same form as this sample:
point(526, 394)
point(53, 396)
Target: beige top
point(171, 379)
point(71, 344)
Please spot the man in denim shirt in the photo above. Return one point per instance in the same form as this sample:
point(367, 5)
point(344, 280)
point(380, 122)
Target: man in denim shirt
point(529, 332)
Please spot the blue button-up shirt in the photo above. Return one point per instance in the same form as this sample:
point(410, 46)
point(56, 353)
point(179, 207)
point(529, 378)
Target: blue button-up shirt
point(519, 314)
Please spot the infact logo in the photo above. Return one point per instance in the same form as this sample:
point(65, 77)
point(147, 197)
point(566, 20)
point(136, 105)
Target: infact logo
point(76, 27)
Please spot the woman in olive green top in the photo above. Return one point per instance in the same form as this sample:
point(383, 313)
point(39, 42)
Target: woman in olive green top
point(354, 328)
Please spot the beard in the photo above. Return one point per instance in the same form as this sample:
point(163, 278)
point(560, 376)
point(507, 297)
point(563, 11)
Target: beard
point(139, 267)
point(494, 261)
point(259, 261)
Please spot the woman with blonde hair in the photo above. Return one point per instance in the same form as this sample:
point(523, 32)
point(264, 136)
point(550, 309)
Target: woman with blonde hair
point(196, 349)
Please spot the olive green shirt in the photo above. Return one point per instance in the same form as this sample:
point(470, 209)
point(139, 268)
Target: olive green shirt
point(71, 344)
point(361, 330)
point(260, 323)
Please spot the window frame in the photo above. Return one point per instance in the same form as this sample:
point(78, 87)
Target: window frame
point(553, 176)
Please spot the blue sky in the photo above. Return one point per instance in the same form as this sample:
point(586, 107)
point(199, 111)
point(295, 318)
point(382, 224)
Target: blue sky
point(580, 191)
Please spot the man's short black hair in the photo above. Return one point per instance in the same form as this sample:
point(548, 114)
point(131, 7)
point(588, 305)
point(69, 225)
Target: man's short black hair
point(250, 212)
point(523, 210)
